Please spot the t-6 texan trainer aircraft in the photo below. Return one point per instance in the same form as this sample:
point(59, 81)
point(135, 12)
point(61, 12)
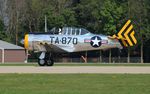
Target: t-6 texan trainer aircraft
point(71, 39)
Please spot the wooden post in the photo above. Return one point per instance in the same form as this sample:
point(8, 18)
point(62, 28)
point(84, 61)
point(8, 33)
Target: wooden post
point(86, 57)
point(128, 59)
point(71, 58)
point(26, 53)
point(3, 55)
point(119, 55)
point(110, 56)
point(100, 57)
point(17, 29)
point(142, 51)
point(141, 41)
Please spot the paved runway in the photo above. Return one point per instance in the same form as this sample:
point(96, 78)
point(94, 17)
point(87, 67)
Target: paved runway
point(75, 69)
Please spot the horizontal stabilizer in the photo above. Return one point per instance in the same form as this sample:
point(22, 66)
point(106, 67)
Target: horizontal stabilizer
point(126, 35)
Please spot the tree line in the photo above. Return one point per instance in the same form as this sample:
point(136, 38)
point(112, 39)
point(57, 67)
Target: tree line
point(18, 17)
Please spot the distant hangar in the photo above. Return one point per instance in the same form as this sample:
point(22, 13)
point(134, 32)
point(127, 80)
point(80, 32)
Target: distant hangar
point(11, 53)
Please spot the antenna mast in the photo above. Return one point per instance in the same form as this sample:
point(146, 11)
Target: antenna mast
point(45, 23)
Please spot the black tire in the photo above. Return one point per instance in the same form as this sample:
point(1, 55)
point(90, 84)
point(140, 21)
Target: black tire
point(50, 62)
point(41, 62)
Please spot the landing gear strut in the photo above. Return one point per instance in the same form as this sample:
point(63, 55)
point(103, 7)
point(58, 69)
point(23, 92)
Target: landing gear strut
point(45, 59)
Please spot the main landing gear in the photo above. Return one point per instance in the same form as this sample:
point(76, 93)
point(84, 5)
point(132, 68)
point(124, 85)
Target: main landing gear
point(45, 59)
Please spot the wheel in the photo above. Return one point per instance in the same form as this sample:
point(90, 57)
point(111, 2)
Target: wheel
point(50, 62)
point(41, 62)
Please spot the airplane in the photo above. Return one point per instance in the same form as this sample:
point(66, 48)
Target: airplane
point(72, 39)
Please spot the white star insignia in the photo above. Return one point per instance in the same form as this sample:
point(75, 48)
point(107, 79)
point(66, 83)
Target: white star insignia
point(96, 41)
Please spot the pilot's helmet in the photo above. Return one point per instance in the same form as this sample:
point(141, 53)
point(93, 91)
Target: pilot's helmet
point(60, 31)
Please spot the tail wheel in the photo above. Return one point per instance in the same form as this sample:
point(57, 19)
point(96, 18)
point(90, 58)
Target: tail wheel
point(41, 62)
point(50, 62)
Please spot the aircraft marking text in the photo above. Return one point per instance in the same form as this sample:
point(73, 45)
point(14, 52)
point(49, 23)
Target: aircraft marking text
point(63, 40)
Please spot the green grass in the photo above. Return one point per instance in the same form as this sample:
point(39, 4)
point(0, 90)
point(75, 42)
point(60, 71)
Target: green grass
point(74, 84)
point(18, 64)
point(78, 64)
point(101, 64)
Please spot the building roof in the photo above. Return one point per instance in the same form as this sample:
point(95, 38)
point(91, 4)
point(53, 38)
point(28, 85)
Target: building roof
point(6, 45)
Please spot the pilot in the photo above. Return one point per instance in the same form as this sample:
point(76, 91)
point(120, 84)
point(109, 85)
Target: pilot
point(59, 31)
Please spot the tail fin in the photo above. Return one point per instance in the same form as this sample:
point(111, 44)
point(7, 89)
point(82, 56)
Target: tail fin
point(126, 35)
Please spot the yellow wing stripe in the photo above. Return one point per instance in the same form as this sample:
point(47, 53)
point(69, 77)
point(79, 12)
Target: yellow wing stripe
point(124, 43)
point(133, 38)
point(126, 35)
point(124, 27)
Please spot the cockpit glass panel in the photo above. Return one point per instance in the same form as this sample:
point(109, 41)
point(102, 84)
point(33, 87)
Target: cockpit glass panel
point(69, 31)
point(84, 31)
point(74, 31)
point(77, 31)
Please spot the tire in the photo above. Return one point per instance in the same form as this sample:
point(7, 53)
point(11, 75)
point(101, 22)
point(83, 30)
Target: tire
point(41, 62)
point(50, 62)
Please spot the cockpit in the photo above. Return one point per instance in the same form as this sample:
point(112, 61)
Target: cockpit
point(70, 31)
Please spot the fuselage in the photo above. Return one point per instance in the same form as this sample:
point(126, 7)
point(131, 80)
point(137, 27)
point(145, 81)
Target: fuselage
point(69, 43)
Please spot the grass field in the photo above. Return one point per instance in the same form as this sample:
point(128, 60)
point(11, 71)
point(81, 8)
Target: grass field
point(102, 64)
point(79, 64)
point(74, 84)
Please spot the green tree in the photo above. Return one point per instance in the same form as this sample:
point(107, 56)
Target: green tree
point(59, 13)
point(112, 14)
point(3, 35)
point(139, 12)
point(88, 15)
point(1, 25)
point(101, 16)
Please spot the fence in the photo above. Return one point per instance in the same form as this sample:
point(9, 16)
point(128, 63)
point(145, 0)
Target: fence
point(97, 60)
